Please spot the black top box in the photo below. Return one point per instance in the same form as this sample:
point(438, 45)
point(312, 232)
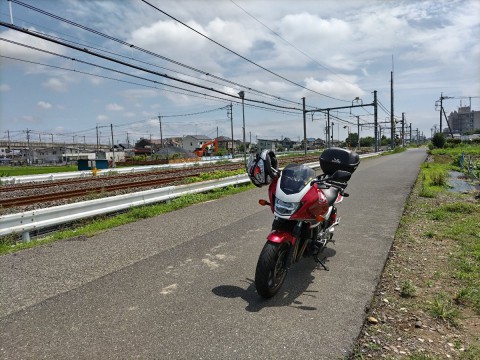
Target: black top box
point(334, 159)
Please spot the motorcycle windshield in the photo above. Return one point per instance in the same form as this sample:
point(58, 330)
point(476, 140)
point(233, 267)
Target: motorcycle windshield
point(295, 177)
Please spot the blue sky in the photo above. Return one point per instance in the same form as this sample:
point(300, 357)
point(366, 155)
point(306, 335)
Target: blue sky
point(329, 52)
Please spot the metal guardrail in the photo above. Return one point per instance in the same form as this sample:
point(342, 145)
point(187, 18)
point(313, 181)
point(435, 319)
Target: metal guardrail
point(11, 180)
point(32, 220)
point(37, 219)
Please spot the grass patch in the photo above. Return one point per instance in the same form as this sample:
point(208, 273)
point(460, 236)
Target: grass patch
point(34, 170)
point(471, 353)
point(437, 245)
point(443, 308)
point(90, 227)
point(407, 289)
point(217, 174)
point(433, 179)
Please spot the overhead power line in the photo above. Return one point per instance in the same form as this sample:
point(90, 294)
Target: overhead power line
point(288, 42)
point(131, 46)
point(239, 55)
point(121, 62)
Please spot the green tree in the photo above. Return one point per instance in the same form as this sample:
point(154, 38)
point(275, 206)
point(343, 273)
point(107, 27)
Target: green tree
point(352, 140)
point(384, 141)
point(367, 141)
point(438, 140)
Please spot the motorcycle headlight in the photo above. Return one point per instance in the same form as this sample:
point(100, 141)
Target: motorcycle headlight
point(285, 208)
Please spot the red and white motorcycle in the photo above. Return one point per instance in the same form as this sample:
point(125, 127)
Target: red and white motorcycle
point(304, 208)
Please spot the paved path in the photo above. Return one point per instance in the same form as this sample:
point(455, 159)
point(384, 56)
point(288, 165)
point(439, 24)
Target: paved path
point(179, 286)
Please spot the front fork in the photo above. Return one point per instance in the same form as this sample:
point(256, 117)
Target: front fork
point(291, 232)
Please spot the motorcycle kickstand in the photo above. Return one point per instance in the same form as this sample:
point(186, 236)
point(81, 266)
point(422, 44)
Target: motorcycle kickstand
point(315, 257)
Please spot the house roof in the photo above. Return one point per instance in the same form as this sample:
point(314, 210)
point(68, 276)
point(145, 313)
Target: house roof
point(199, 137)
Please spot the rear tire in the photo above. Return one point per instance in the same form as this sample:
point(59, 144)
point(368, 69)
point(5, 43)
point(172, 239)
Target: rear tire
point(271, 268)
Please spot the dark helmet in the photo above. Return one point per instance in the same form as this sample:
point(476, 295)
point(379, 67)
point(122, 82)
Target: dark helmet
point(262, 168)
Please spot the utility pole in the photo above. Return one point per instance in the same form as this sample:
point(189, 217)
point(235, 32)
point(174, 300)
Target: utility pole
point(380, 136)
point(11, 14)
point(96, 155)
point(28, 142)
point(161, 135)
point(304, 126)
point(374, 104)
point(326, 135)
point(410, 137)
point(358, 131)
point(242, 96)
point(231, 123)
point(441, 110)
point(328, 128)
point(113, 146)
point(375, 118)
point(333, 125)
point(392, 116)
point(403, 129)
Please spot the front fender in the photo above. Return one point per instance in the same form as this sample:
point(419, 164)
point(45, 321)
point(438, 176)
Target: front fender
point(278, 236)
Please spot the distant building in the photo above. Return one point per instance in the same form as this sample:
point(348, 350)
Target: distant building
point(266, 144)
point(287, 143)
point(192, 142)
point(225, 142)
point(463, 120)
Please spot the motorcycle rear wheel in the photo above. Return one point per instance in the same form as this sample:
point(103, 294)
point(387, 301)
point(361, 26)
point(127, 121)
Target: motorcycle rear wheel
point(271, 269)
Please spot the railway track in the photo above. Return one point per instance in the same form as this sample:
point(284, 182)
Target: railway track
point(39, 194)
point(33, 199)
point(126, 177)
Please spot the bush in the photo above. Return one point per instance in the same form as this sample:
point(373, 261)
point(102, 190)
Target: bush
point(438, 140)
point(454, 141)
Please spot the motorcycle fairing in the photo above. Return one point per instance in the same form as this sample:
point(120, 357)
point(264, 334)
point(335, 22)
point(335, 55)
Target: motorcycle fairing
point(280, 236)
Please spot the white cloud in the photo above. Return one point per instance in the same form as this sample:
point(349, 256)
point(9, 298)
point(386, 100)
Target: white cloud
point(102, 118)
point(55, 84)
point(434, 44)
point(331, 86)
point(44, 105)
point(18, 51)
point(236, 35)
point(4, 87)
point(168, 37)
point(114, 107)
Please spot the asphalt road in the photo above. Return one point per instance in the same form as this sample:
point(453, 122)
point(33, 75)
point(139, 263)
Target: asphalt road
point(180, 286)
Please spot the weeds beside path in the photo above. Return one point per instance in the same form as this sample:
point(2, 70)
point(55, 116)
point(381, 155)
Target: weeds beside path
point(427, 304)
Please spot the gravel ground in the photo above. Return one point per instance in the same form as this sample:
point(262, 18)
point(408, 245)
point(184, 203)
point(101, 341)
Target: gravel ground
point(402, 327)
point(60, 186)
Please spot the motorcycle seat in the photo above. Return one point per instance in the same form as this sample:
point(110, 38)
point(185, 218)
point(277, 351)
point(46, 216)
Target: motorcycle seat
point(331, 194)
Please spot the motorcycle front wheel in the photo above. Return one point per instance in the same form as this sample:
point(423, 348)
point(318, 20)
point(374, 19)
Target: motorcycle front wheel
point(271, 268)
